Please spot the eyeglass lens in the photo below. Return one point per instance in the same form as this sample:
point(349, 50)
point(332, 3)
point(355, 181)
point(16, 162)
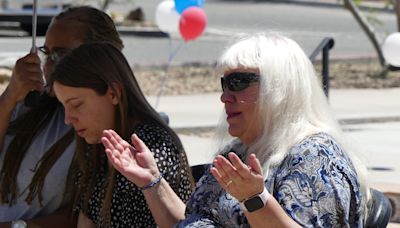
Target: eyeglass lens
point(238, 81)
point(53, 56)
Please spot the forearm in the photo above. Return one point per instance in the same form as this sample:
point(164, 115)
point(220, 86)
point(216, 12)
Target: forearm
point(60, 219)
point(84, 221)
point(272, 215)
point(166, 207)
point(7, 105)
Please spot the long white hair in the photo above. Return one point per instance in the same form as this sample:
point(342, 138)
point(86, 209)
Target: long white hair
point(291, 103)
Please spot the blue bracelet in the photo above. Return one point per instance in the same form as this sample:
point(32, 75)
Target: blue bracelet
point(151, 184)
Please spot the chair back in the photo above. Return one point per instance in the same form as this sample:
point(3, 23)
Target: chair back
point(198, 171)
point(380, 210)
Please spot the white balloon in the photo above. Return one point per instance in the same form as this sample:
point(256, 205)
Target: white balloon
point(391, 49)
point(167, 18)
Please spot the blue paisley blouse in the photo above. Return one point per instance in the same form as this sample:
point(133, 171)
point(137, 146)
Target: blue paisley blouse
point(316, 184)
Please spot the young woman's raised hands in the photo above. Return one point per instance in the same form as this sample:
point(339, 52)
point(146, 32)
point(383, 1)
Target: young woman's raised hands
point(134, 162)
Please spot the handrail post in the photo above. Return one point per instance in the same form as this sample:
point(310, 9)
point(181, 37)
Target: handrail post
point(325, 70)
point(324, 47)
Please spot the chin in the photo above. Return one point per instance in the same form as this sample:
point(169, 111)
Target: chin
point(233, 132)
point(50, 92)
point(92, 141)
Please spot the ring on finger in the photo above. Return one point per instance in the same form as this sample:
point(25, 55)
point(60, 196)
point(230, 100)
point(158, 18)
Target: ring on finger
point(229, 182)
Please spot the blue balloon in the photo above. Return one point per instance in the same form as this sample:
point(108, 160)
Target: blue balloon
point(181, 5)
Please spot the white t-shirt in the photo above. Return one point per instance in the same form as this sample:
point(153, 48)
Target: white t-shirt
point(54, 184)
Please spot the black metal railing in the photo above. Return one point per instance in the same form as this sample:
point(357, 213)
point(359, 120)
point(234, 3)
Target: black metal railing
point(324, 47)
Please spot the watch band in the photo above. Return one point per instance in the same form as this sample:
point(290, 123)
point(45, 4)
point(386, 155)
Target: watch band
point(255, 202)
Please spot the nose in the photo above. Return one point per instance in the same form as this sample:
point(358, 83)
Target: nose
point(227, 96)
point(69, 119)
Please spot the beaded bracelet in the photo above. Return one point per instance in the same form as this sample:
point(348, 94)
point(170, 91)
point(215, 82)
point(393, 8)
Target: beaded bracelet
point(151, 184)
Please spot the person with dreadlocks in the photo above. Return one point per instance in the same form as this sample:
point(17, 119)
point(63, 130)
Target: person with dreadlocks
point(36, 146)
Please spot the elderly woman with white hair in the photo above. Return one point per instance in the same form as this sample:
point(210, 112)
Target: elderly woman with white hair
point(283, 161)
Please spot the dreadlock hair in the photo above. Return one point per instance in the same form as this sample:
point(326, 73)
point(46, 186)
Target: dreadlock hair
point(96, 26)
point(100, 66)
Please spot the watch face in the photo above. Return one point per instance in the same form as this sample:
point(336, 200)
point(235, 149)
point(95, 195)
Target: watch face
point(254, 204)
point(18, 224)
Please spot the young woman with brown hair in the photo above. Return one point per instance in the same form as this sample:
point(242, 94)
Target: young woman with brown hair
point(98, 90)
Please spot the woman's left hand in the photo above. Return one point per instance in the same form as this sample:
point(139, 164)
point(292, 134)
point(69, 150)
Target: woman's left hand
point(134, 162)
point(238, 179)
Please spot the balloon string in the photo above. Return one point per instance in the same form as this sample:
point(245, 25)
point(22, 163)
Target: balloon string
point(171, 55)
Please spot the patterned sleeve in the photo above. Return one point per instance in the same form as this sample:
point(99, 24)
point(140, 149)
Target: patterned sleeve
point(171, 162)
point(198, 222)
point(317, 186)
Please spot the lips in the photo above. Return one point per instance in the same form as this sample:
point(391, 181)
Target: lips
point(231, 115)
point(80, 132)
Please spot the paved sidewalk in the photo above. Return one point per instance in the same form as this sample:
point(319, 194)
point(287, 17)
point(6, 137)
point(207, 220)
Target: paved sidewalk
point(365, 5)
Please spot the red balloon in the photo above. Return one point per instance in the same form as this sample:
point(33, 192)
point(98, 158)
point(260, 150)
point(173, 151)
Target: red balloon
point(192, 23)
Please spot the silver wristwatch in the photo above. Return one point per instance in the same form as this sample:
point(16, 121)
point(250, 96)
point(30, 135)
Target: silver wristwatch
point(19, 224)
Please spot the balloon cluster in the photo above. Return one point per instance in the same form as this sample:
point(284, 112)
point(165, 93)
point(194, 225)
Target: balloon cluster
point(183, 16)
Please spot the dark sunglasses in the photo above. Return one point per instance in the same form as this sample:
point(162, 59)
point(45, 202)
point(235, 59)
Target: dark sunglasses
point(238, 81)
point(54, 56)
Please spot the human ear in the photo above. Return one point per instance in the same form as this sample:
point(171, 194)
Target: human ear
point(114, 92)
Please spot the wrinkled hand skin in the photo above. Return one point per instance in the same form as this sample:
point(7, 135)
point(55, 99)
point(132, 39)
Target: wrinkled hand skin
point(233, 174)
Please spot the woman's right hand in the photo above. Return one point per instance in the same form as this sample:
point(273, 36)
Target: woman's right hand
point(233, 174)
point(26, 77)
point(134, 162)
